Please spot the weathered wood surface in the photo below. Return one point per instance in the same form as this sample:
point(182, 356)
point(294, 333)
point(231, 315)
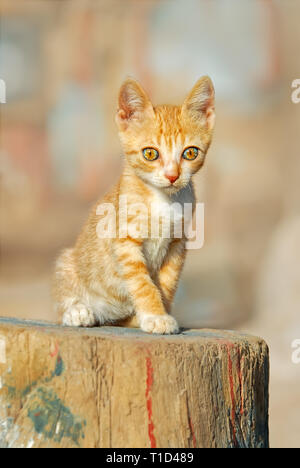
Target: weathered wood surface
point(118, 387)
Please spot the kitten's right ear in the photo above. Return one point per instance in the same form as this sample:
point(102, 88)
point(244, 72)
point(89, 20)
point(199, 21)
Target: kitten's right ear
point(200, 103)
point(134, 104)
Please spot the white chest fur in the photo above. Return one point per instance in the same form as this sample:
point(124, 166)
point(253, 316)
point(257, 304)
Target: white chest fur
point(155, 251)
point(169, 212)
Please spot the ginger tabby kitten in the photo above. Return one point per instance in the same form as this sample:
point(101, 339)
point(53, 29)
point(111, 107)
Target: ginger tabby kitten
point(131, 280)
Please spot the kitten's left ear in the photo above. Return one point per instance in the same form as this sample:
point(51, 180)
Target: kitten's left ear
point(134, 104)
point(200, 103)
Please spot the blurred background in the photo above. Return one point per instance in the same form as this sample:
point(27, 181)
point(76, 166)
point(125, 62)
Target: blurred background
point(63, 63)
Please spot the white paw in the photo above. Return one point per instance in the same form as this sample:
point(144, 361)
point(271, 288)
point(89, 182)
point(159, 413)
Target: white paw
point(164, 324)
point(79, 316)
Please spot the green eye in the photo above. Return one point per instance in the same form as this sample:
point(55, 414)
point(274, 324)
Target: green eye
point(150, 154)
point(190, 153)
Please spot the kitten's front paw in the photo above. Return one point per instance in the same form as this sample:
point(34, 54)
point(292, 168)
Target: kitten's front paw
point(79, 316)
point(164, 324)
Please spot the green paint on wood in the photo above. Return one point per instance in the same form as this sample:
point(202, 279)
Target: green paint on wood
point(28, 389)
point(57, 372)
point(52, 418)
point(11, 391)
point(49, 415)
point(59, 367)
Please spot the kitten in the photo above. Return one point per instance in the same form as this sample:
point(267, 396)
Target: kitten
point(131, 280)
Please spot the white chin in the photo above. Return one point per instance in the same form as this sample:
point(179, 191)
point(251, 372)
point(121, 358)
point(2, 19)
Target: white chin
point(172, 188)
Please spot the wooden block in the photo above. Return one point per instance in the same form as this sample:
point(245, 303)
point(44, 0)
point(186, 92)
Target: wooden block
point(118, 387)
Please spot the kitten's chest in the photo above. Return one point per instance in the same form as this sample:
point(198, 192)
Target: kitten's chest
point(156, 246)
point(167, 219)
point(170, 213)
point(155, 251)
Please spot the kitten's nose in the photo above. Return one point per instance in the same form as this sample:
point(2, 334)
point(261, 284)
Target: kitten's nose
point(172, 177)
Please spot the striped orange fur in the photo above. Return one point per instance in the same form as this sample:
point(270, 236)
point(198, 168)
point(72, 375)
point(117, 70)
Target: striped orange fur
point(132, 280)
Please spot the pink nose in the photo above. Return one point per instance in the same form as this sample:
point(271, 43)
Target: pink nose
point(172, 178)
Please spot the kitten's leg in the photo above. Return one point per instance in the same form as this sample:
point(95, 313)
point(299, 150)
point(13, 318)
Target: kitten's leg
point(68, 293)
point(169, 273)
point(145, 295)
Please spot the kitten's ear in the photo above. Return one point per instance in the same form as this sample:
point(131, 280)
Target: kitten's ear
point(200, 103)
point(134, 104)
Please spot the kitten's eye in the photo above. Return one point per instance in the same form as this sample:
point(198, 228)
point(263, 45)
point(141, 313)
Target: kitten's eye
point(190, 153)
point(150, 154)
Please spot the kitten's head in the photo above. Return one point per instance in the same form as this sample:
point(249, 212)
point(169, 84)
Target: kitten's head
point(166, 145)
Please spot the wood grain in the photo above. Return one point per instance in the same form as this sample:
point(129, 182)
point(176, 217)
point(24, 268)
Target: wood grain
point(117, 387)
